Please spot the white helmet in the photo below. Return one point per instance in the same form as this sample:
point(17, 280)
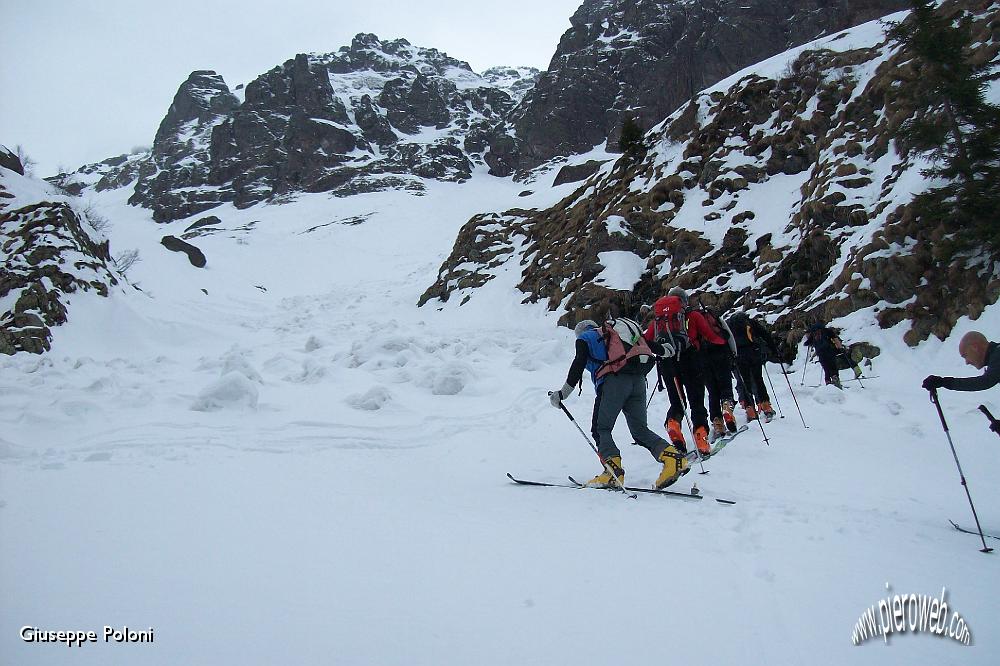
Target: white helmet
point(583, 326)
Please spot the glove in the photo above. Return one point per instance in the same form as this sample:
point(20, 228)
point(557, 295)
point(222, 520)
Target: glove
point(933, 382)
point(668, 349)
point(556, 397)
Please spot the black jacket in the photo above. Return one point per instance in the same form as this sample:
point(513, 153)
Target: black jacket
point(989, 378)
point(750, 334)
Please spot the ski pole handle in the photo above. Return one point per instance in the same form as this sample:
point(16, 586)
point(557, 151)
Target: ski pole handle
point(994, 424)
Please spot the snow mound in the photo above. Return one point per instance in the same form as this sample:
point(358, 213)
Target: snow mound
point(829, 395)
point(450, 379)
point(233, 391)
point(235, 361)
point(371, 400)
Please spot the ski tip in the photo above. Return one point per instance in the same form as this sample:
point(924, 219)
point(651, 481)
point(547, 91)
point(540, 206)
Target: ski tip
point(725, 501)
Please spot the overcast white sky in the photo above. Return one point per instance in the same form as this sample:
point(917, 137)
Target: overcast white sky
point(84, 80)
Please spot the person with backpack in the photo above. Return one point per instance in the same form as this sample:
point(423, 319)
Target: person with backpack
point(717, 350)
point(979, 353)
point(619, 358)
point(680, 373)
point(753, 345)
point(826, 343)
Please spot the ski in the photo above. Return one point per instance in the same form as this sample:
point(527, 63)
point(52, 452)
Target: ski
point(576, 485)
point(962, 529)
point(695, 494)
point(721, 442)
point(539, 483)
point(640, 490)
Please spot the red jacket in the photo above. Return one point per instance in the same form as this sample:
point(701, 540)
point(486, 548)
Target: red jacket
point(698, 331)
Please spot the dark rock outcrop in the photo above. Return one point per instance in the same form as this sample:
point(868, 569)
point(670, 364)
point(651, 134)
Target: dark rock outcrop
point(9, 160)
point(577, 172)
point(175, 180)
point(194, 255)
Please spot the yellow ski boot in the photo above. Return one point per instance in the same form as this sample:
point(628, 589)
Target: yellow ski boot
point(674, 465)
point(604, 479)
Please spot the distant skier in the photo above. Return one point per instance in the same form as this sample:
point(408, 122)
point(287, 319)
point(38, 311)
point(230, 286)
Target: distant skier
point(619, 390)
point(754, 344)
point(979, 353)
point(829, 348)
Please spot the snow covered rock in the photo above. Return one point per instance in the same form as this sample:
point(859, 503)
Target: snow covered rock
point(173, 180)
point(45, 254)
point(373, 116)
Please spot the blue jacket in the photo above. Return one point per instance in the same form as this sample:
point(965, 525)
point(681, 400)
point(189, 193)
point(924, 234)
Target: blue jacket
point(595, 354)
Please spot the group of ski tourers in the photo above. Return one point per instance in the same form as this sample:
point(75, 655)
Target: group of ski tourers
point(697, 355)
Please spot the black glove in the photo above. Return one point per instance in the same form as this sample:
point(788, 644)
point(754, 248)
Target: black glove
point(933, 382)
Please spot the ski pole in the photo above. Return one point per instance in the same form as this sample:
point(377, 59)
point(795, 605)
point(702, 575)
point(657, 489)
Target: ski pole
point(994, 424)
point(606, 466)
point(656, 387)
point(739, 375)
point(687, 417)
point(774, 393)
point(805, 365)
point(961, 474)
point(793, 396)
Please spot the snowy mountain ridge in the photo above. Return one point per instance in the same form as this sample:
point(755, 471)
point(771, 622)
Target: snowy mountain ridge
point(373, 115)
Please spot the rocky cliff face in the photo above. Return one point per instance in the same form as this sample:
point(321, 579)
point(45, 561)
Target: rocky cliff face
point(374, 115)
point(781, 193)
point(646, 58)
point(46, 254)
